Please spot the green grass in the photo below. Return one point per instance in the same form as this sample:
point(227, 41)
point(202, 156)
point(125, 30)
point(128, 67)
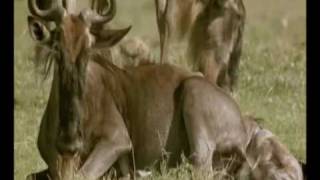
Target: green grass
point(272, 82)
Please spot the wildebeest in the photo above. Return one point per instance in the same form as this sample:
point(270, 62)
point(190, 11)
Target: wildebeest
point(215, 28)
point(267, 157)
point(174, 20)
point(98, 113)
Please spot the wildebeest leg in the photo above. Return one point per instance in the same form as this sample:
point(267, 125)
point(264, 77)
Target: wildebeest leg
point(163, 28)
point(209, 66)
point(233, 66)
point(127, 172)
point(203, 57)
point(114, 143)
point(120, 170)
point(165, 43)
point(244, 172)
point(103, 156)
point(124, 166)
point(42, 175)
point(194, 115)
point(223, 79)
point(201, 150)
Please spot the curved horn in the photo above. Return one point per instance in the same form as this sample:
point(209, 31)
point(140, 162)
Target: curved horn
point(55, 11)
point(95, 18)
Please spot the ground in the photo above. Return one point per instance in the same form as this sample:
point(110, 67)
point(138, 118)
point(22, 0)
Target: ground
point(272, 78)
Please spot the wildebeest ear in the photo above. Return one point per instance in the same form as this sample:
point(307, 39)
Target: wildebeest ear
point(38, 29)
point(108, 37)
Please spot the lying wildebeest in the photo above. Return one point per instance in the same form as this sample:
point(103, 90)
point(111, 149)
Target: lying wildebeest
point(267, 158)
point(215, 28)
point(99, 113)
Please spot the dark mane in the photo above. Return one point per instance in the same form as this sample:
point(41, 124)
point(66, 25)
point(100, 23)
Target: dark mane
point(43, 59)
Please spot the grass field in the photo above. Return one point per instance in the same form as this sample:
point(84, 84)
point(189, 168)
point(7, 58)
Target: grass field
point(272, 82)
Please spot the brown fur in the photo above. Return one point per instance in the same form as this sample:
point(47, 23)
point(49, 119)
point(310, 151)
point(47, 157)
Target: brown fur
point(216, 29)
point(105, 118)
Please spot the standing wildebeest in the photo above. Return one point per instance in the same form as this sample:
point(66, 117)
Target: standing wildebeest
point(215, 42)
point(98, 113)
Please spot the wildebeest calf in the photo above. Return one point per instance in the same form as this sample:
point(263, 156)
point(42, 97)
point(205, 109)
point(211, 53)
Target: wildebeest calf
point(267, 158)
point(132, 52)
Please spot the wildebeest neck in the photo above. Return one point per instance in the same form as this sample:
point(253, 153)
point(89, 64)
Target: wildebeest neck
point(113, 79)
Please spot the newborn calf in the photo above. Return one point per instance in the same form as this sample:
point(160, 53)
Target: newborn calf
point(134, 51)
point(267, 158)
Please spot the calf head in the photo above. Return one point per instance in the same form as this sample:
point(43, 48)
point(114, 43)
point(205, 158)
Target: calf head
point(267, 158)
point(70, 40)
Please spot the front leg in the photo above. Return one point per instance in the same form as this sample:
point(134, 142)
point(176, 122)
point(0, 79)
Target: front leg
point(124, 166)
point(114, 142)
point(163, 28)
point(103, 157)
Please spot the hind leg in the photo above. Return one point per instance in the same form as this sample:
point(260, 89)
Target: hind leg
point(233, 67)
point(195, 119)
point(201, 149)
point(163, 28)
